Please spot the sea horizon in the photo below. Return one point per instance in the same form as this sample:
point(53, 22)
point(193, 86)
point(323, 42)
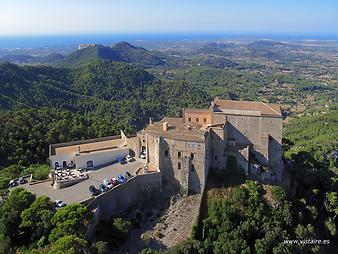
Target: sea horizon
point(62, 40)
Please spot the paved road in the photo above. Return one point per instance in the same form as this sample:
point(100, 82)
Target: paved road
point(79, 192)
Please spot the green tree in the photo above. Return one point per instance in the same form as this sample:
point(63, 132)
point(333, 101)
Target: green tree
point(100, 247)
point(4, 181)
point(36, 220)
point(121, 227)
point(18, 200)
point(70, 220)
point(69, 244)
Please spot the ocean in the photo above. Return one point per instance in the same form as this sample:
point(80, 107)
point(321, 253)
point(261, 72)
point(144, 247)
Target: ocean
point(36, 41)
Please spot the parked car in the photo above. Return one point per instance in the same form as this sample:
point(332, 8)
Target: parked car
point(107, 183)
point(121, 178)
point(22, 180)
point(129, 158)
point(13, 183)
point(94, 191)
point(103, 188)
point(114, 182)
point(60, 203)
point(127, 175)
point(142, 156)
point(122, 160)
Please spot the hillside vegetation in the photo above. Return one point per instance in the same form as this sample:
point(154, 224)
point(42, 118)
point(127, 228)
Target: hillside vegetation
point(45, 105)
point(120, 52)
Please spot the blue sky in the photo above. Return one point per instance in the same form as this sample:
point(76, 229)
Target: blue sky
point(21, 17)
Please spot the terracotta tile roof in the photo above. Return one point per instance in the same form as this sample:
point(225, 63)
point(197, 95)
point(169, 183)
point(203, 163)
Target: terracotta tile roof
point(249, 106)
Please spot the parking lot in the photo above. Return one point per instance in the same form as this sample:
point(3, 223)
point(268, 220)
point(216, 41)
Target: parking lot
point(79, 192)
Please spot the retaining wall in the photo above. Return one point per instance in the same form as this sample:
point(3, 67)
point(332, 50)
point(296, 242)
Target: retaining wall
point(139, 189)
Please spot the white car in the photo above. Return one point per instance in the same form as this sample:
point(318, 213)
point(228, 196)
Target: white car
point(129, 158)
point(60, 203)
point(142, 156)
point(107, 183)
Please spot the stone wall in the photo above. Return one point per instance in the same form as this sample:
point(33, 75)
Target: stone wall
point(137, 190)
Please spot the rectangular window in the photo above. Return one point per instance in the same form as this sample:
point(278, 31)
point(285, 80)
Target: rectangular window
point(215, 157)
point(166, 153)
point(179, 165)
point(196, 120)
point(205, 120)
point(192, 155)
point(179, 154)
point(189, 119)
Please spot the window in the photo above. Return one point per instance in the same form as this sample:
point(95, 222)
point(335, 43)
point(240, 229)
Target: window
point(192, 155)
point(179, 154)
point(205, 120)
point(179, 165)
point(64, 164)
point(215, 157)
point(166, 153)
point(197, 120)
point(189, 119)
point(56, 165)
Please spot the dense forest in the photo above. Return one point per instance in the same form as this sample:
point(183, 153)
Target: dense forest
point(43, 105)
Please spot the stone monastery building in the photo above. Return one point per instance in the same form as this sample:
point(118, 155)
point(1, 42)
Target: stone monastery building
point(185, 149)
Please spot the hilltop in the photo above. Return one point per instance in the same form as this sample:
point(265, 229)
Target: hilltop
point(120, 52)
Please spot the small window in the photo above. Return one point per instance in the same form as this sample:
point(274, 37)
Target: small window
point(192, 155)
point(143, 141)
point(179, 154)
point(189, 119)
point(179, 165)
point(56, 165)
point(197, 120)
point(215, 157)
point(166, 153)
point(205, 120)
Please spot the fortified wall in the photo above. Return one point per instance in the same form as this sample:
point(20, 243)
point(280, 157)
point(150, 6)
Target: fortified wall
point(140, 189)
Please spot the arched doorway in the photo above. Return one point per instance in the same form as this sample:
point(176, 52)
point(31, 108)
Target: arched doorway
point(90, 164)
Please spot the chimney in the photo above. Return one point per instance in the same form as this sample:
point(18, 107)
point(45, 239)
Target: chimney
point(150, 120)
point(165, 126)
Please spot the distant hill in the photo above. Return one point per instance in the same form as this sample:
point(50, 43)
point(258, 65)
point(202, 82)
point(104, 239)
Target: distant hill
point(37, 86)
point(28, 59)
point(214, 48)
point(121, 52)
point(265, 44)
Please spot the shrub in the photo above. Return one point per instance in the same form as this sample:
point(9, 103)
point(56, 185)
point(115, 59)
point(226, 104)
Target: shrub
point(278, 193)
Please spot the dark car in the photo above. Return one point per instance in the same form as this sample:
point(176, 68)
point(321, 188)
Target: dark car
point(127, 175)
point(103, 188)
point(94, 191)
point(22, 180)
point(122, 160)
